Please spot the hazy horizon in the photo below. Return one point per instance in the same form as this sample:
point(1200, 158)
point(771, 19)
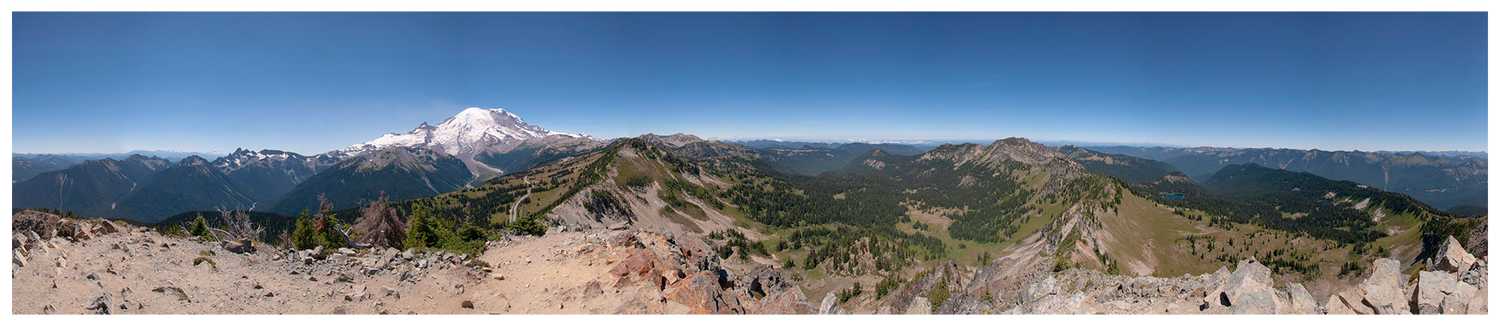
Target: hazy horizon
point(313, 82)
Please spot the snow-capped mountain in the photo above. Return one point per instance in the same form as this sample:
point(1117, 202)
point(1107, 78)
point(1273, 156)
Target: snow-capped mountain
point(242, 158)
point(472, 131)
point(267, 174)
point(478, 132)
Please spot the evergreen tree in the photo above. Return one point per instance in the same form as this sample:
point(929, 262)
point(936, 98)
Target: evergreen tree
point(304, 236)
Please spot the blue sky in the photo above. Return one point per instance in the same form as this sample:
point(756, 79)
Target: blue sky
point(311, 82)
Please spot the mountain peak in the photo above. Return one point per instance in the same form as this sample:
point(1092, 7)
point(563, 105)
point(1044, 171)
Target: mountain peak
point(673, 140)
point(473, 130)
point(193, 160)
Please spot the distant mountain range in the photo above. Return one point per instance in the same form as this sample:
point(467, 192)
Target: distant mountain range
point(479, 144)
point(1448, 181)
point(474, 145)
point(25, 166)
point(399, 172)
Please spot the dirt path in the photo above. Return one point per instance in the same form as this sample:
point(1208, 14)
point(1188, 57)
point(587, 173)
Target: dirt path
point(513, 206)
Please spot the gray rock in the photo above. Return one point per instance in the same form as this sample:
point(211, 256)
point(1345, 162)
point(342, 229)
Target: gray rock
point(1457, 303)
point(100, 305)
point(18, 258)
point(1452, 257)
point(18, 241)
point(830, 305)
point(1383, 290)
point(1478, 275)
point(1302, 302)
point(1479, 304)
point(239, 246)
point(1249, 291)
point(173, 291)
point(1347, 302)
point(1432, 289)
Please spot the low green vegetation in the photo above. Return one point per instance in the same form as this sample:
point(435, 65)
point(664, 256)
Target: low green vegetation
point(424, 230)
point(322, 230)
point(198, 228)
point(939, 293)
point(849, 293)
point(887, 285)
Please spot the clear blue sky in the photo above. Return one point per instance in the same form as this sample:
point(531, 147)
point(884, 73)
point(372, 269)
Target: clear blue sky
point(311, 82)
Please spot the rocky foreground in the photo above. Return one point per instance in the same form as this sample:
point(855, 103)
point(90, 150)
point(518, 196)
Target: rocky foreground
point(65, 266)
point(68, 266)
point(1455, 286)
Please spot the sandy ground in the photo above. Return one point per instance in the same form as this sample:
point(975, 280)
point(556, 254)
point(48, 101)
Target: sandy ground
point(141, 272)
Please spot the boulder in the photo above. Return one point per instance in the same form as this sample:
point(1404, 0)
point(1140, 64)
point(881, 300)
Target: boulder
point(1479, 304)
point(638, 265)
point(1432, 290)
point(1248, 290)
point(702, 294)
point(40, 225)
point(18, 241)
point(1347, 302)
point(593, 289)
point(1478, 275)
point(1301, 301)
point(173, 291)
point(73, 230)
point(1457, 303)
point(1452, 257)
point(106, 227)
point(357, 294)
point(18, 258)
point(788, 301)
point(100, 305)
point(1382, 291)
point(830, 305)
point(239, 246)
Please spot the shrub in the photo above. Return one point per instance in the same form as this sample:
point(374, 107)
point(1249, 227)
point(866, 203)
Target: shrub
point(421, 228)
point(199, 228)
point(427, 230)
point(939, 294)
point(886, 285)
point(329, 234)
point(638, 182)
point(528, 226)
point(175, 230)
point(303, 234)
point(846, 294)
